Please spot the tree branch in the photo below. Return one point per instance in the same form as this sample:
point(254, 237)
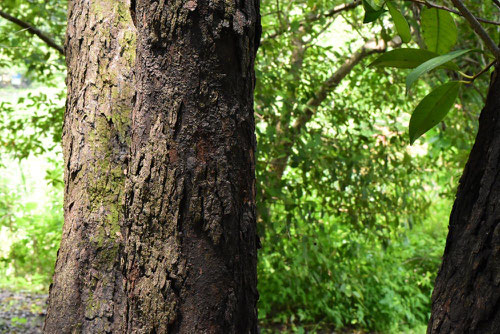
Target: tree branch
point(331, 83)
point(477, 28)
point(497, 3)
point(335, 10)
point(312, 17)
point(49, 41)
point(484, 70)
point(456, 12)
point(327, 87)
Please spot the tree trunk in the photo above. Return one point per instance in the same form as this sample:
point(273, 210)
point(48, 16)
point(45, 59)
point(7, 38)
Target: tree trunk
point(466, 297)
point(159, 233)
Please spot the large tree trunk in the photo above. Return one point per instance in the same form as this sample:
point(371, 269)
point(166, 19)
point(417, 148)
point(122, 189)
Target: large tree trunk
point(159, 232)
point(466, 297)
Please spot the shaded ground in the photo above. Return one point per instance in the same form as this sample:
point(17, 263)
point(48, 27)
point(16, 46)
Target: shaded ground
point(24, 312)
point(21, 312)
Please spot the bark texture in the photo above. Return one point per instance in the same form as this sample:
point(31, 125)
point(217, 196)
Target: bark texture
point(191, 237)
point(159, 233)
point(466, 297)
point(87, 290)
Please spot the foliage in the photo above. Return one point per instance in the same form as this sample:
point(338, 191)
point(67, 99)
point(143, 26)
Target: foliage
point(35, 233)
point(31, 121)
point(328, 275)
point(19, 47)
point(41, 66)
point(439, 33)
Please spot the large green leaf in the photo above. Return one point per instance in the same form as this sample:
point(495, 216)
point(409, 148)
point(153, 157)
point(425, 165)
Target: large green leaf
point(408, 58)
point(430, 65)
point(400, 22)
point(372, 11)
point(432, 109)
point(438, 30)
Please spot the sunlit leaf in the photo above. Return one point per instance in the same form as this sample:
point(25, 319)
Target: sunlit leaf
point(408, 58)
point(439, 30)
point(432, 109)
point(400, 22)
point(430, 65)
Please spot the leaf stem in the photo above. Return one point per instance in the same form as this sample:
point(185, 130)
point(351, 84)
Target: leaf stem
point(465, 75)
point(475, 76)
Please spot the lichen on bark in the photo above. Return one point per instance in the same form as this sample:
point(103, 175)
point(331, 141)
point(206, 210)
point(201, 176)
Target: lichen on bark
point(87, 293)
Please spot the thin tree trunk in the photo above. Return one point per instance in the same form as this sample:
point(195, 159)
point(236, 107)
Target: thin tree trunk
point(466, 297)
point(191, 235)
point(87, 290)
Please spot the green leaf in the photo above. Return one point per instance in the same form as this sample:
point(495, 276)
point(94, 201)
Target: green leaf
point(408, 58)
point(432, 109)
point(372, 11)
point(439, 30)
point(400, 22)
point(430, 65)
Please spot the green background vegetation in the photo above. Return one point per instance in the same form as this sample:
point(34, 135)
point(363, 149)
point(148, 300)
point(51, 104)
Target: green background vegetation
point(352, 232)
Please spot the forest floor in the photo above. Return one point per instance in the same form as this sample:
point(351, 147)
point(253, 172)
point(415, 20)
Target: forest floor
point(21, 312)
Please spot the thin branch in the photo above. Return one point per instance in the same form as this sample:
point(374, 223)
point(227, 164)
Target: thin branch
point(326, 88)
point(456, 12)
point(49, 41)
point(478, 28)
point(497, 3)
point(331, 83)
point(312, 17)
point(335, 10)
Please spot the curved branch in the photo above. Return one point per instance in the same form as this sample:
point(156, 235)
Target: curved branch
point(312, 17)
point(335, 10)
point(473, 22)
point(456, 12)
point(326, 88)
point(49, 41)
point(331, 83)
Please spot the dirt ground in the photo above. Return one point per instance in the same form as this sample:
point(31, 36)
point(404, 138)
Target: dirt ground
point(21, 312)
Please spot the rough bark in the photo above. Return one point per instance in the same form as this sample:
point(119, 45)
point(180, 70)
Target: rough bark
point(191, 237)
point(466, 297)
point(159, 232)
point(87, 290)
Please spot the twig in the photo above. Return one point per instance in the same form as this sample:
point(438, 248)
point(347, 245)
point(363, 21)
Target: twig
point(337, 9)
point(49, 41)
point(433, 5)
point(315, 17)
point(497, 3)
point(478, 28)
point(475, 76)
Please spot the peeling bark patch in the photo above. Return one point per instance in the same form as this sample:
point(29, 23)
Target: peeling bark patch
point(191, 5)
